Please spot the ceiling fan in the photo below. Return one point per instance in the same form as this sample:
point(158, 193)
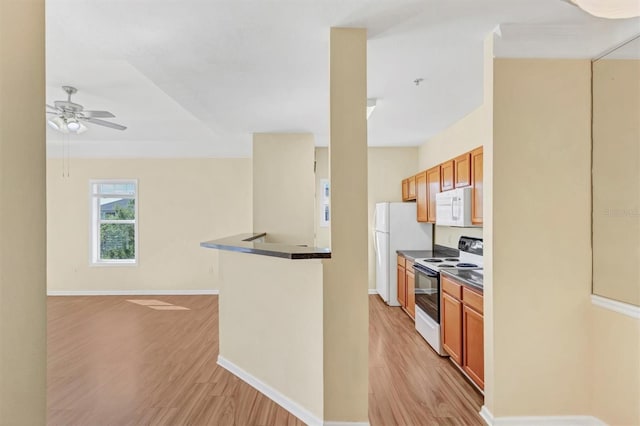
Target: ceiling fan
point(70, 117)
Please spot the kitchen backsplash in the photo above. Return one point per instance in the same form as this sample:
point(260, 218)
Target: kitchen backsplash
point(448, 235)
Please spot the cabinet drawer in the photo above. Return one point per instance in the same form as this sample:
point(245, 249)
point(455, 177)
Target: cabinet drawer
point(401, 261)
point(452, 288)
point(472, 299)
point(409, 265)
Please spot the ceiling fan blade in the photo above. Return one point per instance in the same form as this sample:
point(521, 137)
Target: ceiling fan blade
point(104, 123)
point(52, 107)
point(98, 114)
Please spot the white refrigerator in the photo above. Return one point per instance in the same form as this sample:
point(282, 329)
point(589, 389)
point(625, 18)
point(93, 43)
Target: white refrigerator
point(396, 228)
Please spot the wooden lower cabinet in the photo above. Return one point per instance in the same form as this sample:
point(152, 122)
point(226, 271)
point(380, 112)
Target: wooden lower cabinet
point(402, 286)
point(406, 286)
point(473, 345)
point(410, 281)
point(462, 327)
point(452, 327)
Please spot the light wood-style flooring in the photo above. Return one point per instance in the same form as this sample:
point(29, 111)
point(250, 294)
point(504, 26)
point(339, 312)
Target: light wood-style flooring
point(113, 362)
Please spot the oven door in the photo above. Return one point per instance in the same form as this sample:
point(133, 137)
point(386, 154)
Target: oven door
point(427, 291)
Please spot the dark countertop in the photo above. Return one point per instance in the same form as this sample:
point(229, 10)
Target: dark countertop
point(246, 243)
point(466, 276)
point(440, 251)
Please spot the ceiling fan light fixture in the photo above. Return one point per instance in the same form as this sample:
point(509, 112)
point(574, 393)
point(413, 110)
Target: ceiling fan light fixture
point(371, 105)
point(58, 123)
point(73, 125)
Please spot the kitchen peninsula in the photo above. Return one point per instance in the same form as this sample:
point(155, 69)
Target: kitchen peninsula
point(271, 319)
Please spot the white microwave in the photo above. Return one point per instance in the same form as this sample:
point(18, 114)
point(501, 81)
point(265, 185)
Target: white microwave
point(453, 208)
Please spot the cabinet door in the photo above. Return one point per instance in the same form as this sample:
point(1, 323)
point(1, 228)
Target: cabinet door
point(462, 170)
point(402, 286)
point(451, 322)
point(476, 192)
point(432, 188)
point(422, 197)
point(411, 293)
point(405, 189)
point(473, 346)
point(446, 175)
point(412, 188)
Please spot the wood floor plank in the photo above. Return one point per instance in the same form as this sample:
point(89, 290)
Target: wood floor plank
point(112, 362)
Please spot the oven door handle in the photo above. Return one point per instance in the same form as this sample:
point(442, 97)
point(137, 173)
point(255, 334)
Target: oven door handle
point(424, 271)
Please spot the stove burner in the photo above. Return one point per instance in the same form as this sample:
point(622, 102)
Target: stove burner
point(433, 260)
point(466, 265)
point(446, 265)
point(452, 259)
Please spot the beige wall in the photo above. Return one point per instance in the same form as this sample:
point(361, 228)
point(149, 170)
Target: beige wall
point(271, 323)
point(22, 214)
point(181, 203)
point(345, 300)
point(616, 229)
point(387, 167)
point(323, 234)
point(541, 160)
point(488, 224)
point(283, 187)
point(615, 372)
point(470, 132)
point(616, 179)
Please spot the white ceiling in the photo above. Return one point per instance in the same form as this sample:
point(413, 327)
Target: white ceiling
point(198, 77)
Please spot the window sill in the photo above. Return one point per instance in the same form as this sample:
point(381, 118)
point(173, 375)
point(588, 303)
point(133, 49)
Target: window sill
point(114, 264)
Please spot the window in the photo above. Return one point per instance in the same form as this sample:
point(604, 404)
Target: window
point(114, 222)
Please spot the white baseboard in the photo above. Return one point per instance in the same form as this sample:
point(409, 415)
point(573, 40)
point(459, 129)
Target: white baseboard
point(277, 397)
point(131, 292)
point(539, 420)
point(291, 406)
point(371, 291)
point(632, 311)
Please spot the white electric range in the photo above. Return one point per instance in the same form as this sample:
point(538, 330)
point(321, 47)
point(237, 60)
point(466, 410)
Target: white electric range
point(427, 286)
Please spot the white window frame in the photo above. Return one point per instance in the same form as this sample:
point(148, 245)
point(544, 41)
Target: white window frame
point(95, 221)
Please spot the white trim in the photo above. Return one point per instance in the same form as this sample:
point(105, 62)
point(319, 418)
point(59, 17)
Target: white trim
point(539, 420)
point(486, 415)
point(291, 406)
point(613, 305)
point(131, 292)
point(373, 291)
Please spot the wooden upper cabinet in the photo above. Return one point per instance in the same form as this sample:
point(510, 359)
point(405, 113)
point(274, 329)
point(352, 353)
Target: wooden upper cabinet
point(473, 345)
point(477, 185)
point(405, 189)
point(422, 197)
point(462, 170)
point(446, 175)
point(432, 188)
point(412, 188)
